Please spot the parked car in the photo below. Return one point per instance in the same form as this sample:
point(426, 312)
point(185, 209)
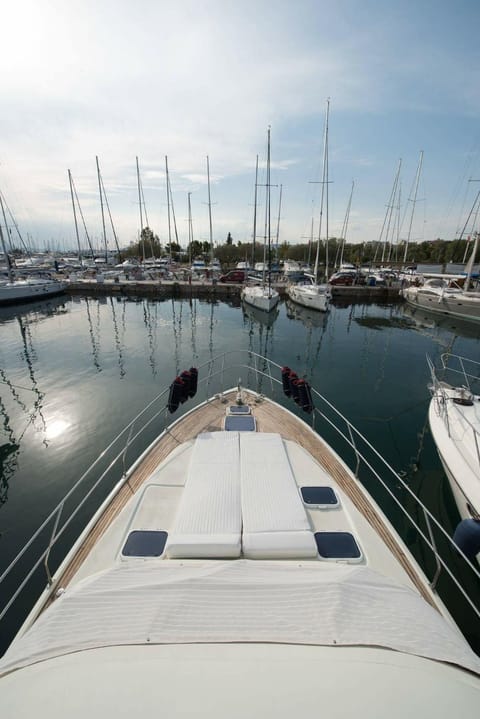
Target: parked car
point(342, 278)
point(234, 276)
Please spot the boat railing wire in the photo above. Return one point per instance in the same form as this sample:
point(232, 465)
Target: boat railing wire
point(459, 365)
point(217, 375)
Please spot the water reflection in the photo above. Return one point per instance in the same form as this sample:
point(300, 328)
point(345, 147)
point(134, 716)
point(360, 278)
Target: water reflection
point(259, 317)
point(36, 311)
point(434, 324)
point(94, 336)
point(315, 324)
point(310, 318)
point(391, 318)
point(118, 341)
point(177, 332)
point(260, 328)
point(9, 452)
point(24, 316)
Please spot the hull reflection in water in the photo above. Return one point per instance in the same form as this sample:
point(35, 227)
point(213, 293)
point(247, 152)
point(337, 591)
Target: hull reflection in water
point(424, 319)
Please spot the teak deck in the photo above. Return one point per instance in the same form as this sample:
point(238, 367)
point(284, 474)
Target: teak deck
point(270, 417)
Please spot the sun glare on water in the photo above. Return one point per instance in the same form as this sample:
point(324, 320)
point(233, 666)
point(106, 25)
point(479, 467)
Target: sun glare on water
point(56, 428)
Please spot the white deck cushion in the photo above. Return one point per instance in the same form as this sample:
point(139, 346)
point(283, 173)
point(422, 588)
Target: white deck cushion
point(209, 518)
point(275, 524)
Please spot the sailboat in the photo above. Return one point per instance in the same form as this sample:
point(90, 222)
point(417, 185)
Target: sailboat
point(315, 295)
point(15, 291)
point(264, 296)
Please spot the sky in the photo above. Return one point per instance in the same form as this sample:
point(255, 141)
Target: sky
point(117, 79)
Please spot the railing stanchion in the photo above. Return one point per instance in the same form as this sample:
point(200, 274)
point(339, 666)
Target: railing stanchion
point(434, 581)
point(51, 543)
point(124, 454)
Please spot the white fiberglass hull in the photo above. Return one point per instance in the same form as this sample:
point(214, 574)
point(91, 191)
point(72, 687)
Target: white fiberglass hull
point(26, 290)
point(317, 297)
point(455, 429)
point(262, 298)
point(456, 303)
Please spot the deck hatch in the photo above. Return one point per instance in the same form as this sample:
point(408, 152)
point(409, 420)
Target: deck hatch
point(239, 409)
point(337, 545)
point(240, 423)
point(319, 496)
point(145, 543)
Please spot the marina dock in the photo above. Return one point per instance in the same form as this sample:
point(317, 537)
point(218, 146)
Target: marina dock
point(206, 289)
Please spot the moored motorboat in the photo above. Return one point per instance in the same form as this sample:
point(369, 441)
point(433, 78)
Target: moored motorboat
point(436, 295)
point(447, 297)
point(238, 559)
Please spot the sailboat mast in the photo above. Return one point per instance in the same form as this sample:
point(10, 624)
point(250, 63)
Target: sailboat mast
point(391, 208)
point(277, 237)
point(4, 247)
point(139, 196)
point(210, 209)
point(190, 229)
point(266, 234)
point(111, 219)
point(469, 267)
point(324, 175)
point(417, 179)
point(83, 218)
point(388, 213)
point(255, 215)
point(467, 221)
point(142, 239)
point(345, 223)
point(168, 210)
point(103, 213)
point(326, 197)
point(75, 216)
point(268, 210)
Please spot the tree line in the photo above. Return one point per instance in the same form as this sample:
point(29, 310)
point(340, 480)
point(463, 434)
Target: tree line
point(230, 252)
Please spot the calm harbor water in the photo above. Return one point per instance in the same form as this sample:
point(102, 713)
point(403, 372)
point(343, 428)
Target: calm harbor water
point(74, 372)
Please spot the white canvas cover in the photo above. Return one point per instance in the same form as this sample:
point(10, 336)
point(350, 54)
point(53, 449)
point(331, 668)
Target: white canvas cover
point(157, 602)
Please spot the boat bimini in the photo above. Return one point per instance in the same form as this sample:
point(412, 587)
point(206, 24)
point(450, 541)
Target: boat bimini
point(238, 568)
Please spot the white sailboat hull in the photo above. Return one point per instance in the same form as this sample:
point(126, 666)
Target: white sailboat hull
point(317, 297)
point(456, 431)
point(26, 290)
point(262, 298)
